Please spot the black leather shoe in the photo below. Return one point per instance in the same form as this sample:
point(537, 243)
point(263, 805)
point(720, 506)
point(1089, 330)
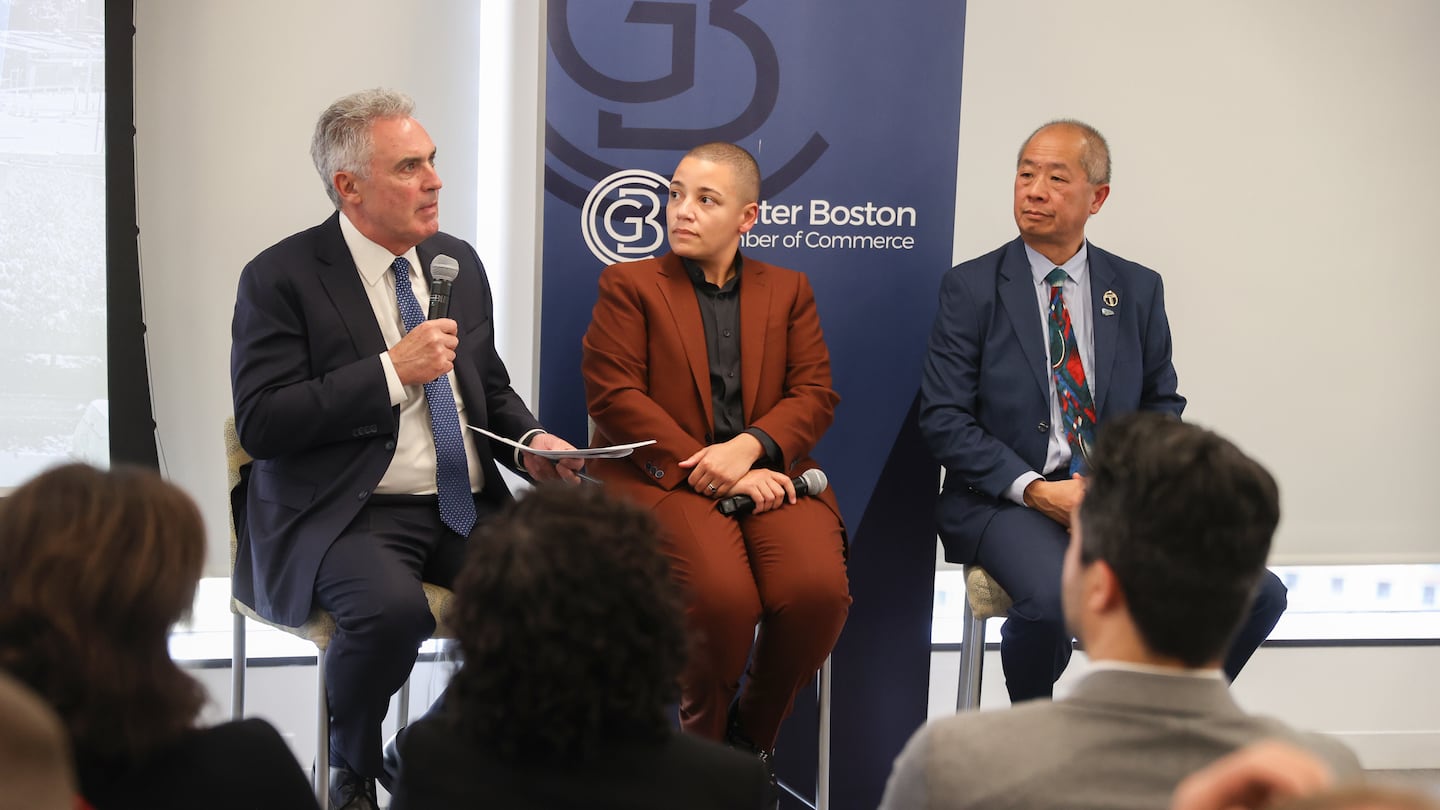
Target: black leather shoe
point(350, 791)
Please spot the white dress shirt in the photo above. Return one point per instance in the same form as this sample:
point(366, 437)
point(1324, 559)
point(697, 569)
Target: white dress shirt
point(412, 469)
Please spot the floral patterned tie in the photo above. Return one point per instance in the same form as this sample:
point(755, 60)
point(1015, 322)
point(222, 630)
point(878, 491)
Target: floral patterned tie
point(1077, 407)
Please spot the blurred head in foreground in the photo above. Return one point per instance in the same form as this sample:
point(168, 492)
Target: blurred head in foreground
point(570, 627)
point(95, 567)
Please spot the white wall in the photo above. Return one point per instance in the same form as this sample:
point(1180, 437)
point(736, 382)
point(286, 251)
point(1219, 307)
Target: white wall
point(1276, 163)
point(511, 158)
point(226, 99)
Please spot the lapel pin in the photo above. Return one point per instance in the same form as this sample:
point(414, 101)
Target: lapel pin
point(1106, 311)
point(1110, 298)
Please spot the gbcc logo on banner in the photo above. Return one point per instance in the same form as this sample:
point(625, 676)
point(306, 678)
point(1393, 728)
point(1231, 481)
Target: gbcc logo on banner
point(621, 214)
point(622, 219)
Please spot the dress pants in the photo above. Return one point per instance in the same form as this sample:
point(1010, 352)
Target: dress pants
point(1025, 551)
point(370, 581)
point(783, 569)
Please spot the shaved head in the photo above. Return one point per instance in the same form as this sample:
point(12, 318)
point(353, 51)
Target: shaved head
point(741, 163)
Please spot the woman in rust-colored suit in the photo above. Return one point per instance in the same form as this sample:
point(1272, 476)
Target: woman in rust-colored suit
point(722, 362)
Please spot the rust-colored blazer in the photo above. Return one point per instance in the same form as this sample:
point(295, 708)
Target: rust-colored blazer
point(647, 372)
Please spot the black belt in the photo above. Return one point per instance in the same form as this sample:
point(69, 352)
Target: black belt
point(403, 500)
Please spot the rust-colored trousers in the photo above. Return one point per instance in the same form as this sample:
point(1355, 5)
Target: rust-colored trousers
point(783, 570)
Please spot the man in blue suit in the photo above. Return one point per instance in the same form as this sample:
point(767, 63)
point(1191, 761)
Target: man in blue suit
point(354, 405)
point(1034, 344)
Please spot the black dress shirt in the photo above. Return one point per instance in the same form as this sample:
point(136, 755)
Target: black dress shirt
point(720, 314)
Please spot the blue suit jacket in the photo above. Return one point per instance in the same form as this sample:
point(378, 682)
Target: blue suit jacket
point(985, 396)
point(313, 408)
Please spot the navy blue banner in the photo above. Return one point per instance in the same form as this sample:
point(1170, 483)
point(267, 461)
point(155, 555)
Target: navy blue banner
point(852, 109)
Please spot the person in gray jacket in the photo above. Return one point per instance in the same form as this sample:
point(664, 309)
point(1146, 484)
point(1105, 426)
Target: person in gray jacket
point(1166, 548)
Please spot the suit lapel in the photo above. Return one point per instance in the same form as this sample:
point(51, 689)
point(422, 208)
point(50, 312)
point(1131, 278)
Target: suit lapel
point(341, 280)
point(1105, 329)
point(425, 254)
point(755, 301)
point(679, 293)
point(1017, 295)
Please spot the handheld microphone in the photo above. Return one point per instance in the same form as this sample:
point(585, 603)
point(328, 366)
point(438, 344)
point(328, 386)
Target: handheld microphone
point(811, 482)
point(443, 271)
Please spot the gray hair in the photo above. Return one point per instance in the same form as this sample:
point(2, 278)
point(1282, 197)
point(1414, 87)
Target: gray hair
point(1094, 153)
point(342, 140)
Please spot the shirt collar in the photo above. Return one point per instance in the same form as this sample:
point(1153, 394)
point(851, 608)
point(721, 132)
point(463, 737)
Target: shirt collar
point(1151, 669)
point(371, 259)
point(697, 275)
point(1075, 266)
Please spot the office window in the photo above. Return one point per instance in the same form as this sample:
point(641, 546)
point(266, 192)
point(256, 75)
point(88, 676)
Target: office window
point(1326, 602)
point(52, 236)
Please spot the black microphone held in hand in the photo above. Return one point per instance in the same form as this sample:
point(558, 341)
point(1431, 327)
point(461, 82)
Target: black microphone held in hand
point(443, 271)
point(812, 482)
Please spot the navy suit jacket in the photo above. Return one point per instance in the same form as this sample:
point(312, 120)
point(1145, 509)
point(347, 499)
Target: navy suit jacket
point(985, 394)
point(313, 408)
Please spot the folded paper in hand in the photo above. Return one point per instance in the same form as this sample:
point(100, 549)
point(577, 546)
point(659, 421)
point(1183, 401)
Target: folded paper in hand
point(613, 451)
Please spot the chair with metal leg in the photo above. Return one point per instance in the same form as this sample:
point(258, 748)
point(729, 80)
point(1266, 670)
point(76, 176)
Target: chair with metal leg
point(984, 599)
point(318, 629)
point(822, 749)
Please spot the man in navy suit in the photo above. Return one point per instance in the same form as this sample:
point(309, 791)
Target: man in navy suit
point(354, 498)
point(989, 406)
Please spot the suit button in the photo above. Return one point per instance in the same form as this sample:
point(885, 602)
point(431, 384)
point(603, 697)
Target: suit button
point(1043, 427)
point(389, 444)
point(362, 495)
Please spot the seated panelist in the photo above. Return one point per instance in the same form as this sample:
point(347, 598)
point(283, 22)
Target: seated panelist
point(1036, 345)
point(354, 396)
point(721, 360)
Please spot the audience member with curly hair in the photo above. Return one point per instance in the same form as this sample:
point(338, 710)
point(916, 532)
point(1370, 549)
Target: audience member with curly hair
point(95, 567)
point(572, 638)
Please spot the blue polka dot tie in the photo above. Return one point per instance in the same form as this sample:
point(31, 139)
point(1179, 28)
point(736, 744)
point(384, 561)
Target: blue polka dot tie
point(452, 474)
point(1077, 407)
